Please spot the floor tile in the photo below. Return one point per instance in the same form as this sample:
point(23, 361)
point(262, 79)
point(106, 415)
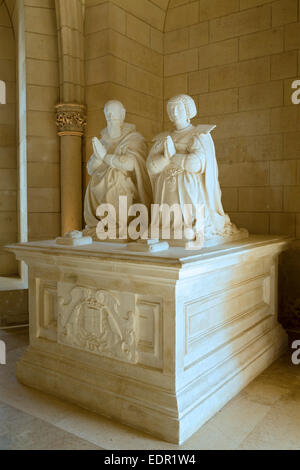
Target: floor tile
point(265, 415)
point(19, 430)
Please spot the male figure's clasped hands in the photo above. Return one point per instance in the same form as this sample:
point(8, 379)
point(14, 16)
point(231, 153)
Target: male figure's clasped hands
point(99, 150)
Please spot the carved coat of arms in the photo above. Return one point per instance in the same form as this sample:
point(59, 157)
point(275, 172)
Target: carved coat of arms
point(98, 321)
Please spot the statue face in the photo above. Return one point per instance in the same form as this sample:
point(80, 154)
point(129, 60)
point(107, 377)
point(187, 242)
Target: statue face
point(178, 115)
point(114, 117)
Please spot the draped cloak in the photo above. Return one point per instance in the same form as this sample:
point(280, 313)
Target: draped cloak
point(108, 183)
point(174, 185)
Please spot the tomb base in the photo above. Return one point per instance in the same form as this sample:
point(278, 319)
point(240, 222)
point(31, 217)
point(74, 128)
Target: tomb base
point(158, 341)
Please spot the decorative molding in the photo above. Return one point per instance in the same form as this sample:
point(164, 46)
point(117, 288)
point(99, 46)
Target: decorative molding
point(122, 332)
point(150, 331)
point(70, 119)
point(47, 309)
point(210, 320)
point(97, 321)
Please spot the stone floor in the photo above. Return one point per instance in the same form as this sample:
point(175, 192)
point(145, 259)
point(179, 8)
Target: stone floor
point(265, 415)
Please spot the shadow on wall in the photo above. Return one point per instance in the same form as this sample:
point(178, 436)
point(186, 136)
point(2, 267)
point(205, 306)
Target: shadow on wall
point(289, 292)
point(13, 308)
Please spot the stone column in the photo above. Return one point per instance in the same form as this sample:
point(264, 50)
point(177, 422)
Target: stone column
point(71, 121)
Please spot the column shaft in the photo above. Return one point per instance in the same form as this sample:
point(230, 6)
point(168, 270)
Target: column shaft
point(71, 183)
point(71, 121)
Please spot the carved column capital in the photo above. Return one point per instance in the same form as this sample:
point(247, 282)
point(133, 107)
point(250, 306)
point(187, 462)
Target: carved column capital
point(70, 119)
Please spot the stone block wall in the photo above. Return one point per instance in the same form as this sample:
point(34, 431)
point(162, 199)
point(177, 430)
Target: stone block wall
point(8, 145)
point(238, 58)
point(42, 75)
point(124, 61)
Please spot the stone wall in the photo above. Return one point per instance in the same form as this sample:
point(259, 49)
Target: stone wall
point(42, 141)
point(124, 61)
point(238, 60)
point(8, 146)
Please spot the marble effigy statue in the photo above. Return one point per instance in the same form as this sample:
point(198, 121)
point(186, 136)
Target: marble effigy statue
point(183, 169)
point(117, 168)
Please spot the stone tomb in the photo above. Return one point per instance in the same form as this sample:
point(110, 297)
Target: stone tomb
point(159, 341)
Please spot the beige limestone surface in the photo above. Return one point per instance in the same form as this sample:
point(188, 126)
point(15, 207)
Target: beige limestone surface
point(263, 416)
point(158, 341)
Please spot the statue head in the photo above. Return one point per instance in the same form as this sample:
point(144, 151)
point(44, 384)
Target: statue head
point(115, 115)
point(181, 109)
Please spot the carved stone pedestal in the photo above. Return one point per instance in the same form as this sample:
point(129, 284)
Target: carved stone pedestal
point(157, 341)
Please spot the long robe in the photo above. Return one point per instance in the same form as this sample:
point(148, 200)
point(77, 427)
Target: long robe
point(108, 183)
point(191, 177)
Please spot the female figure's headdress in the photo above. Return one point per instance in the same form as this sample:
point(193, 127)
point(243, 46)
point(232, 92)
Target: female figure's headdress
point(188, 102)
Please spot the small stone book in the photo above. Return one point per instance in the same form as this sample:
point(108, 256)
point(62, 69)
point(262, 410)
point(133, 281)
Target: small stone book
point(206, 128)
